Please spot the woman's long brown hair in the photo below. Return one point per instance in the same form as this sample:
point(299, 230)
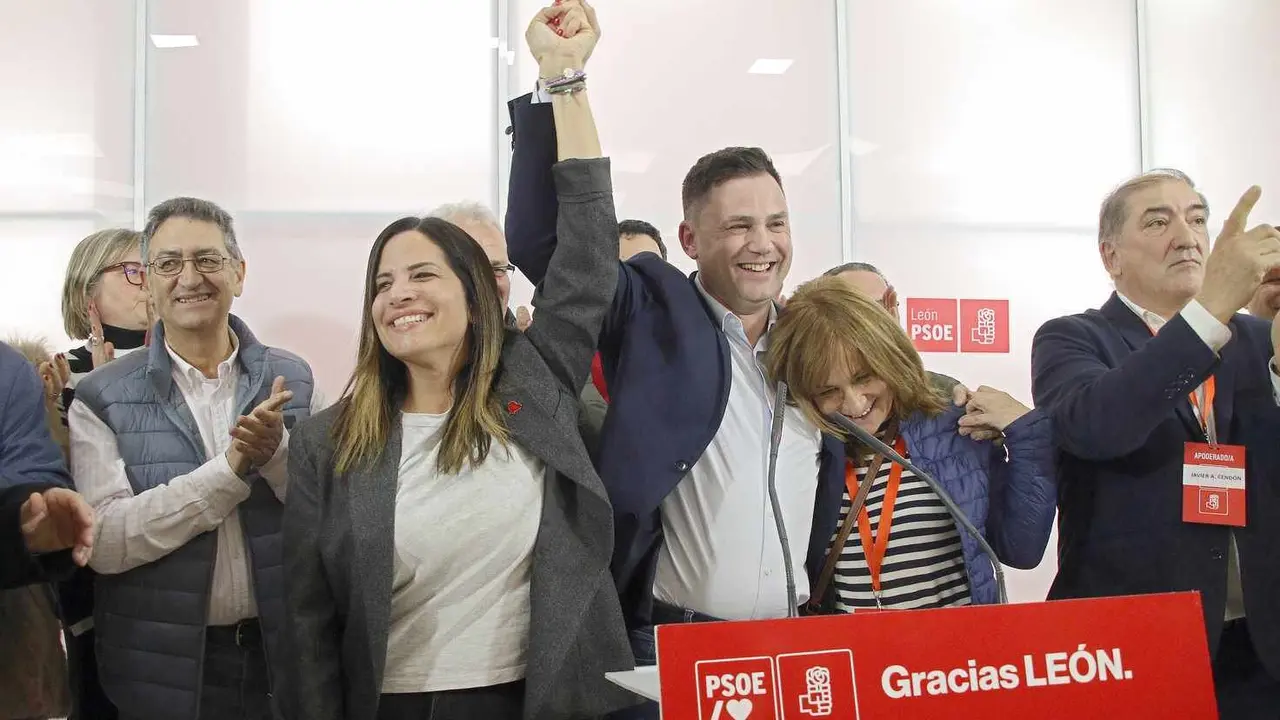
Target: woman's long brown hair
point(827, 324)
point(379, 385)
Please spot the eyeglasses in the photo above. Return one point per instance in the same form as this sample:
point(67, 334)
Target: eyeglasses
point(204, 264)
point(132, 271)
point(503, 270)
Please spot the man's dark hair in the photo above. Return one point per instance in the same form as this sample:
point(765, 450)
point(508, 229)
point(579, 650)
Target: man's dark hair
point(191, 209)
point(720, 167)
point(640, 227)
point(854, 267)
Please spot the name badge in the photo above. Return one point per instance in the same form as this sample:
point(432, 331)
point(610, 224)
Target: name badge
point(1213, 484)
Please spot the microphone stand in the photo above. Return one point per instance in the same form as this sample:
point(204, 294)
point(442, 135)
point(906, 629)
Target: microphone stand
point(963, 520)
point(775, 440)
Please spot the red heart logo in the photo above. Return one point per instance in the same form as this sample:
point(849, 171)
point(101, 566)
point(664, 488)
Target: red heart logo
point(513, 407)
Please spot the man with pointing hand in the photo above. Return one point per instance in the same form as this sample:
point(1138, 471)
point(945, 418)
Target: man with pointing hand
point(182, 452)
point(1165, 374)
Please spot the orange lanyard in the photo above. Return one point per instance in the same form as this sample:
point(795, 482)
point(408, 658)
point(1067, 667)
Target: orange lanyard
point(1206, 413)
point(1203, 414)
point(875, 548)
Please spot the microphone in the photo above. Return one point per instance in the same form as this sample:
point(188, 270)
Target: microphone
point(963, 520)
point(775, 440)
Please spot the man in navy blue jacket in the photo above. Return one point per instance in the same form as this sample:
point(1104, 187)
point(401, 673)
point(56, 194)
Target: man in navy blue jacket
point(28, 453)
point(1125, 386)
point(684, 448)
point(37, 511)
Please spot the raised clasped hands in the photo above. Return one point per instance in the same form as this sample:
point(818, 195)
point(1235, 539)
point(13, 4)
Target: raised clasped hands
point(257, 435)
point(562, 36)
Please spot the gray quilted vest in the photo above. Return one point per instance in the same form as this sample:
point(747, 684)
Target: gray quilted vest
point(150, 621)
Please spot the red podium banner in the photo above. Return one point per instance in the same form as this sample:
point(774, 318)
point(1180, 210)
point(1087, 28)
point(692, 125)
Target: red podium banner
point(1127, 657)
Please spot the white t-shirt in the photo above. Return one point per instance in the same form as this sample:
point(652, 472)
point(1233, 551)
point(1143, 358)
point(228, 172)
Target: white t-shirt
point(463, 556)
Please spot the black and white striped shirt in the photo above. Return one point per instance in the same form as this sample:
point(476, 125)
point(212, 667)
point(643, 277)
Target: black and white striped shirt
point(80, 360)
point(923, 565)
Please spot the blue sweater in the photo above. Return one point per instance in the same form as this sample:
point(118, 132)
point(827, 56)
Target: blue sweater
point(28, 453)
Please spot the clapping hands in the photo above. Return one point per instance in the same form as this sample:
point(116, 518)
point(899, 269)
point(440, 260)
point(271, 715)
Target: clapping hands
point(54, 375)
point(257, 435)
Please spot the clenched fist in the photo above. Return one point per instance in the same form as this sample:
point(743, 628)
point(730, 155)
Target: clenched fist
point(562, 37)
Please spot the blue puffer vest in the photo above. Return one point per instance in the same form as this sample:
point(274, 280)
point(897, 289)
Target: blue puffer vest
point(150, 621)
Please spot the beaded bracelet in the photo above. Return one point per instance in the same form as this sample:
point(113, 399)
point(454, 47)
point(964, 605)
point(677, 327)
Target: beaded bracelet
point(570, 82)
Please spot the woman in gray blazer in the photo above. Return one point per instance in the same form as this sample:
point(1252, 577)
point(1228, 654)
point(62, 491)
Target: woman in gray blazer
point(446, 539)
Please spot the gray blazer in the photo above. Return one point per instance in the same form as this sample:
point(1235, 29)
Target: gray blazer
point(339, 530)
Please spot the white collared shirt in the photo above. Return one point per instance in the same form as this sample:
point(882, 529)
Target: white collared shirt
point(133, 530)
point(1206, 326)
point(721, 554)
point(1215, 335)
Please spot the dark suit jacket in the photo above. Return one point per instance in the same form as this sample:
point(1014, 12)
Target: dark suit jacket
point(30, 461)
point(666, 362)
point(339, 530)
point(28, 453)
point(1119, 401)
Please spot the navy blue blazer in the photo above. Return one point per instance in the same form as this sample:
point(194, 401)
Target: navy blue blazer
point(667, 365)
point(1119, 401)
point(30, 462)
point(28, 453)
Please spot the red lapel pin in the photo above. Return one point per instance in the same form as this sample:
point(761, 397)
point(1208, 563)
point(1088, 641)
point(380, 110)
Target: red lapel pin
point(513, 407)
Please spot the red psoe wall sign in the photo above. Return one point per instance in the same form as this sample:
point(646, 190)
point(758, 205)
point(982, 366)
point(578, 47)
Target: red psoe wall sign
point(947, 325)
point(931, 323)
point(984, 326)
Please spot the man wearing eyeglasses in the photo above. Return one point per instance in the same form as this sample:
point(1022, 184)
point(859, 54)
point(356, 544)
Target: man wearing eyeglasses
point(181, 450)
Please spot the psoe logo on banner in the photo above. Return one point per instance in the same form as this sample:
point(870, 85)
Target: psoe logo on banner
point(984, 326)
point(737, 689)
point(931, 323)
point(819, 684)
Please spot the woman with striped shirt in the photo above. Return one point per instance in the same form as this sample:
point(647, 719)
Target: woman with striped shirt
point(895, 545)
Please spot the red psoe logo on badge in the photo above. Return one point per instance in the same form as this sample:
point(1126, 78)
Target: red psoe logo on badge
point(817, 685)
point(736, 689)
point(1214, 502)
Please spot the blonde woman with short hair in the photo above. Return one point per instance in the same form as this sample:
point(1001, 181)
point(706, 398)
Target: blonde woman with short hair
point(104, 304)
point(840, 352)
